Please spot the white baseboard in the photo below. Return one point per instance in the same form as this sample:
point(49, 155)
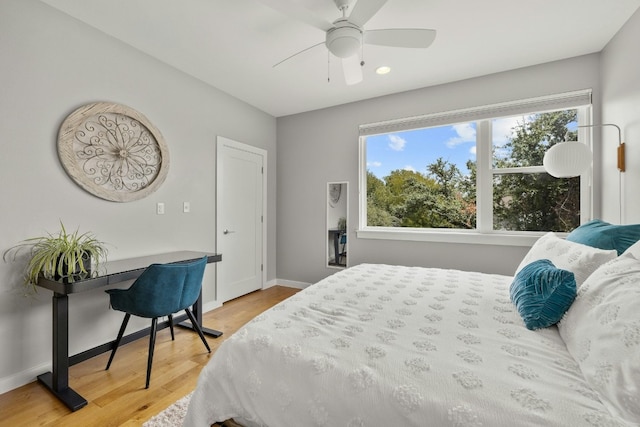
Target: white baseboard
point(287, 283)
point(21, 378)
point(211, 305)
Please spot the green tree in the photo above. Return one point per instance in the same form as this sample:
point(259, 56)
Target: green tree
point(535, 202)
point(412, 199)
point(406, 189)
point(378, 203)
point(446, 174)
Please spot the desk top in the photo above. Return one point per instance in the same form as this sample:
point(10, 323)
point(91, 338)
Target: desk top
point(120, 270)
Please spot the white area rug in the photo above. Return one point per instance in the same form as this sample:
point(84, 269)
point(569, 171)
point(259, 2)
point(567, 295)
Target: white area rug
point(172, 416)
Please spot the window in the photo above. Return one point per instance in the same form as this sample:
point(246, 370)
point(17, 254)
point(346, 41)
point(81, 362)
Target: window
point(423, 178)
point(484, 176)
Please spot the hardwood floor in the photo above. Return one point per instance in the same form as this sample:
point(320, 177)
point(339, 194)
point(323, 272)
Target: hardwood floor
point(117, 397)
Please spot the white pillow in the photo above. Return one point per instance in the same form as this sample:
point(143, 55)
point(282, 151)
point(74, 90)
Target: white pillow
point(581, 260)
point(634, 250)
point(602, 333)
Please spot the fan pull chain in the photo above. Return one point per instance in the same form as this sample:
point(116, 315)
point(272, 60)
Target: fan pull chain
point(328, 67)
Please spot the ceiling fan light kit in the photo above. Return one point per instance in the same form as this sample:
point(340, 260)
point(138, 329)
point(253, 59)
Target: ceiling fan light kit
point(345, 39)
point(345, 36)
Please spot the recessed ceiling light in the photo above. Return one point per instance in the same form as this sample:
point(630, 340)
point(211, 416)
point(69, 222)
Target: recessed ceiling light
point(383, 70)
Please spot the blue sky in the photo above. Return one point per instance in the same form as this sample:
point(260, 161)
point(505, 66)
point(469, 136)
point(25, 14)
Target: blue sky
point(415, 149)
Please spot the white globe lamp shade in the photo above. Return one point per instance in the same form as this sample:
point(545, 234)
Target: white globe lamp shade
point(567, 159)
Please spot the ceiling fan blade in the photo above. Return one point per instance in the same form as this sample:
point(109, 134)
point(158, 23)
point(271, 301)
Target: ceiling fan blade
point(298, 53)
point(401, 37)
point(364, 10)
point(294, 10)
point(352, 70)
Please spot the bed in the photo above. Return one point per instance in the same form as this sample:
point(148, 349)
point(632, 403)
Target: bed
point(385, 345)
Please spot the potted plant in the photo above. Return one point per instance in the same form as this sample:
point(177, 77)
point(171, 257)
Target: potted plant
point(61, 255)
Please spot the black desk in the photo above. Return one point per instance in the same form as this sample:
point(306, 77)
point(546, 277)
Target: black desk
point(110, 273)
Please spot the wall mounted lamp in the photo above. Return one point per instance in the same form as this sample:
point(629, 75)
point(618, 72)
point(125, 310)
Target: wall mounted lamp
point(571, 158)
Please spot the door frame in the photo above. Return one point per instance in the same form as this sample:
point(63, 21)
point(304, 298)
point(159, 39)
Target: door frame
point(221, 142)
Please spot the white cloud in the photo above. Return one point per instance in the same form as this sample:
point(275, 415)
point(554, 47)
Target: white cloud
point(409, 168)
point(465, 133)
point(503, 128)
point(374, 164)
point(473, 150)
point(396, 143)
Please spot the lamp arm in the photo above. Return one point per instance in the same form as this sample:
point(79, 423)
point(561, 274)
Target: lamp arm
point(621, 145)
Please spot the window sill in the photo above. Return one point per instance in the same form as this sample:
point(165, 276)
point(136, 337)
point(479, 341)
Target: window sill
point(525, 239)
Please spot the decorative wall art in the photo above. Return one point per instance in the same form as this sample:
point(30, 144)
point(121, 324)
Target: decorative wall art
point(334, 193)
point(113, 152)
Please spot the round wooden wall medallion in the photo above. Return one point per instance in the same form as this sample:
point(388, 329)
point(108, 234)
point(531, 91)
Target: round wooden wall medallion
point(334, 194)
point(113, 152)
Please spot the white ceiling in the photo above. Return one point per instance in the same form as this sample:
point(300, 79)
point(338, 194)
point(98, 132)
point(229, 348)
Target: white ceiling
point(233, 44)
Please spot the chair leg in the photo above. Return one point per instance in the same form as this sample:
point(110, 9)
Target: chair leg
point(127, 316)
point(152, 344)
point(173, 337)
point(197, 327)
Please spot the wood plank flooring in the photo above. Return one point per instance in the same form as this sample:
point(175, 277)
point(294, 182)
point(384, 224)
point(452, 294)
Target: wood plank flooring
point(117, 397)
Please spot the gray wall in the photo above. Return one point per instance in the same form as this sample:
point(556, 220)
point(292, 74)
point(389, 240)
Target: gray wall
point(52, 64)
point(321, 146)
point(621, 106)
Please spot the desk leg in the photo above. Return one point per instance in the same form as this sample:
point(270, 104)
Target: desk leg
point(197, 313)
point(58, 381)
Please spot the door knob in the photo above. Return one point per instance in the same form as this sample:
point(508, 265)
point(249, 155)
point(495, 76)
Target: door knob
point(227, 231)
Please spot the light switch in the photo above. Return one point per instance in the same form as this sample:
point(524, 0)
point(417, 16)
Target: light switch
point(186, 207)
point(160, 208)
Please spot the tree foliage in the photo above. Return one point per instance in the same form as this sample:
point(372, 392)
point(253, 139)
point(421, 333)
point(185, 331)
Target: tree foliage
point(443, 197)
point(533, 202)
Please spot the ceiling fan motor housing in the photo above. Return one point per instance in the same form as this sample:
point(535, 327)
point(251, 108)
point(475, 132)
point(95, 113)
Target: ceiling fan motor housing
point(344, 39)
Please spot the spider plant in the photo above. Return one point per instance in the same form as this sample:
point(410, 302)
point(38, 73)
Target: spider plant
point(61, 255)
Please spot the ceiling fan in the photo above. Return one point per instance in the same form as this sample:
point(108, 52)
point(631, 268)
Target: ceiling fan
point(346, 35)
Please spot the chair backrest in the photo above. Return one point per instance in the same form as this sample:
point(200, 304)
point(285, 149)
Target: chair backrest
point(168, 288)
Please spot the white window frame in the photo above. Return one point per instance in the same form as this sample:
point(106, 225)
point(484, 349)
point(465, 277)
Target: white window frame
point(483, 116)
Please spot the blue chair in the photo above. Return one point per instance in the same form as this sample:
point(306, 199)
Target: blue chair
point(343, 252)
point(161, 290)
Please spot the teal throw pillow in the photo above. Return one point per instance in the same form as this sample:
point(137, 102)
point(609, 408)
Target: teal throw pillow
point(600, 234)
point(542, 293)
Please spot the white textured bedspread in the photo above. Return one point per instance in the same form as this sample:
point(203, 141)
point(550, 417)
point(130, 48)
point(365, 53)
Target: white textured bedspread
point(381, 346)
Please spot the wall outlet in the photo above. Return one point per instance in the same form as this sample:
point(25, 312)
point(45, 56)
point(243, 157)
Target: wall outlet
point(160, 208)
point(186, 207)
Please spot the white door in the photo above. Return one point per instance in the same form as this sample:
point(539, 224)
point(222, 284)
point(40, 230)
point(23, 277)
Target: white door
point(240, 197)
